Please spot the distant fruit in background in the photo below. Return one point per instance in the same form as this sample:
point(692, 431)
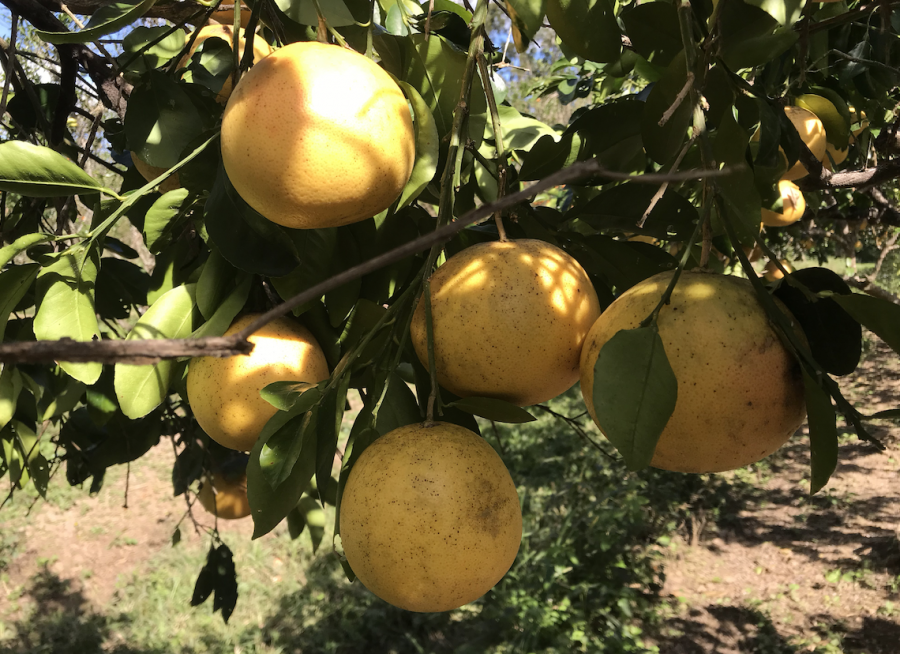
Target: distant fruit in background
point(793, 204)
point(225, 496)
point(812, 132)
point(772, 272)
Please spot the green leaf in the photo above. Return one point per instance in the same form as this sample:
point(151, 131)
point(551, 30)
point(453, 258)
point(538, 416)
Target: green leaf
point(37, 171)
point(586, 27)
point(493, 409)
point(161, 121)
point(834, 337)
point(21, 244)
point(154, 56)
point(398, 406)
point(297, 397)
point(225, 314)
point(663, 142)
point(520, 132)
point(292, 446)
point(436, 68)
point(106, 20)
point(14, 284)
point(268, 505)
point(622, 263)
point(527, 17)
point(654, 31)
point(635, 392)
point(328, 429)
point(427, 146)
point(889, 414)
point(243, 236)
point(10, 387)
point(823, 437)
point(66, 309)
point(314, 518)
point(879, 316)
point(304, 12)
point(751, 37)
point(786, 12)
point(142, 388)
point(163, 216)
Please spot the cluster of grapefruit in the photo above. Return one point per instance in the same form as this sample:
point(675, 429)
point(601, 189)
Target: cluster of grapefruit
point(430, 517)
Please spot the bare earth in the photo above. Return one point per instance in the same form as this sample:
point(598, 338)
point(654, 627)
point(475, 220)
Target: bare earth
point(785, 573)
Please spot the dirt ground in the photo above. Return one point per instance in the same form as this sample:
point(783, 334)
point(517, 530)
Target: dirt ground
point(785, 573)
point(790, 573)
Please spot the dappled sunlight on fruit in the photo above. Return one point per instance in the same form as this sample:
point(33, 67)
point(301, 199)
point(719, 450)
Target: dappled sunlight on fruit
point(224, 392)
point(509, 321)
point(317, 136)
point(793, 206)
point(812, 133)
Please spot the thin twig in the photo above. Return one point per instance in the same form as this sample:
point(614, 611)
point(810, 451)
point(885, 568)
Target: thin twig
point(10, 53)
point(682, 94)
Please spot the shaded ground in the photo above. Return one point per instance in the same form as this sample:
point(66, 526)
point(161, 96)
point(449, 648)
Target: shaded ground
point(790, 573)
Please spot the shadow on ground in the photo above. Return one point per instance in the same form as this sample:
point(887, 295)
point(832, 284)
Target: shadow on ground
point(58, 620)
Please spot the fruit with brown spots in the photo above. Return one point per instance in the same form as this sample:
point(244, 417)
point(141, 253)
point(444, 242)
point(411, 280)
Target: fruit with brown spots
point(316, 136)
point(224, 392)
point(430, 518)
point(740, 393)
point(225, 496)
point(509, 321)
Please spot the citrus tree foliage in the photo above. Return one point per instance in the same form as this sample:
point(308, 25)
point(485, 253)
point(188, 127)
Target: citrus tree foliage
point(95, 253)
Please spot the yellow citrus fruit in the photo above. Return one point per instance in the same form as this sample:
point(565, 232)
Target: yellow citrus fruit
point(430, 519)
point(772, 272)
point(225, 497)
point(316, 136)
point(740, 393)
point(226, 16)
point(509, 321)
point(226, 32)
point(812, 132)
point(224, 392)
point(793, 204)
point(150, 173)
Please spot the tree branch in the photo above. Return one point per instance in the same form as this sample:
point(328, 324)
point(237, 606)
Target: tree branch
point(151, 351)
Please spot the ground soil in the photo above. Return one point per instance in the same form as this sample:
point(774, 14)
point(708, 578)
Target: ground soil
point(789, 572)
point(783, 573)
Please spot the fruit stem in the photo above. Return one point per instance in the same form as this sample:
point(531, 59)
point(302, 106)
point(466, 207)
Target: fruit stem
point(502, 154)
point(323, 28)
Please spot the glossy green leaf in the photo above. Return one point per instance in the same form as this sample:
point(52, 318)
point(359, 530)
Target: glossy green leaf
point(268, 505)
point(298, 397)
point(106, 20)
point(436, 68)
point(142, 388)
point(14, 283)
point(786, 12)
point(622, 263)
point(427, 146)
point(823, 437)
point(304, 12)
point(750, 37)
point(243, 236)
point(228, 310)
point(21, 244)
point(163, 216)
point(161, 121)
point(154, 56)
point(634, 394)
point(493, 409)
point(10, 387)
point(877, 315)
point(527, 17)
point(328, 429)
point(37, 171)
point(66, 310)
point(586, 27)
point(654, 31)
point(292, 446)
point(398, 406)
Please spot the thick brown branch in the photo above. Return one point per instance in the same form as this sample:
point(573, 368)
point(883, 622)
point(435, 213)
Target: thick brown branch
point(823, 179)
point(867, 286)
point(150, 351)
